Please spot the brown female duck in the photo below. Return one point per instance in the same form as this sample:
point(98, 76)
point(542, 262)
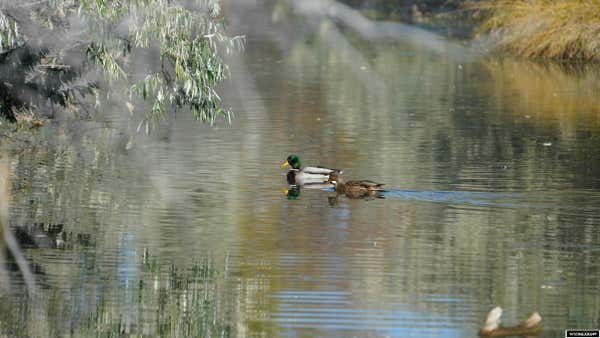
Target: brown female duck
point(356, 189)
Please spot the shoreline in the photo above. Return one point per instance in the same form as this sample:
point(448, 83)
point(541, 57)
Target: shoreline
point(537, 30)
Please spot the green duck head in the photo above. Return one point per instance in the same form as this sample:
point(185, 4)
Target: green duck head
point(292, 160)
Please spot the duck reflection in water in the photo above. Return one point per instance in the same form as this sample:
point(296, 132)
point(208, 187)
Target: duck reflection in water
point(292, 193)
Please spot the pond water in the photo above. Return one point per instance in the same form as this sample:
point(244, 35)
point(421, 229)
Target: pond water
point(493, 175)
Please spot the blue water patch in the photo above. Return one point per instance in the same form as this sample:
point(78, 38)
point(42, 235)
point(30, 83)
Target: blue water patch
point(342, 312)
point(477, 198)
point(463, 197)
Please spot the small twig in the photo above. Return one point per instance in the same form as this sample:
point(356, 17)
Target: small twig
point(30, 4)
point(55, 66)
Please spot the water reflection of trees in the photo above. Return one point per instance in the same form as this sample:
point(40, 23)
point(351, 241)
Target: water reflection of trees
point(160, 301)
point(390, 112)
point(559, 103)
point(83, 213)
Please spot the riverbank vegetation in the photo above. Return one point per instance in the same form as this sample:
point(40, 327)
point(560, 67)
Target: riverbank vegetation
point(150, 55)
point(564, 30)
point(567, 30)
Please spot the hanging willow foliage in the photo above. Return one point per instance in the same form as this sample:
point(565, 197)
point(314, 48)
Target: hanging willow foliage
point(123, 36)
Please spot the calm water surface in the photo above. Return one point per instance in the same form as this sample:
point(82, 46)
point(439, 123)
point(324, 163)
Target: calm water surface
point(492, 165)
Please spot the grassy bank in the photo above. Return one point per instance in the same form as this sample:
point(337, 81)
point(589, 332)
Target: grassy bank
point(566, 29)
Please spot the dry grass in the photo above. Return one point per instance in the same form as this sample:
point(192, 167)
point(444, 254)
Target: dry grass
point(565, 29)
point(28, 119)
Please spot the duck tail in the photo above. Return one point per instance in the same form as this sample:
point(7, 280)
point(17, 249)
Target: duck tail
point(334, 176)
point(377, 186)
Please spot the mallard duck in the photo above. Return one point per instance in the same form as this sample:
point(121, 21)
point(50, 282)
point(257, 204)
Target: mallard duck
point(307, 175)
point(356, 189)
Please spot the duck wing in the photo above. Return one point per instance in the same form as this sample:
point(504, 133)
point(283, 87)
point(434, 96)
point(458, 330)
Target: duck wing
point(303, 178)
point(320, 170)
point(318, 186)
point(369, 185)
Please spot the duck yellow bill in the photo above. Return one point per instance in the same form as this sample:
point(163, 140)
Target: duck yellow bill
point(285, 191)
point(284, 164)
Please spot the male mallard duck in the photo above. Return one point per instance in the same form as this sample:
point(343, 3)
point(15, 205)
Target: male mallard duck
point(307, 175)
point(356, 189)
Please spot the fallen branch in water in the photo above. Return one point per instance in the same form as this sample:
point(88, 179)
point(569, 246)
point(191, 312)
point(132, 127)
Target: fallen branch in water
point(492, 328)
point(6, 237)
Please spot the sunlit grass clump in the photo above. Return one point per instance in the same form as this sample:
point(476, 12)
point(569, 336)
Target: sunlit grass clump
point(566, 29)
